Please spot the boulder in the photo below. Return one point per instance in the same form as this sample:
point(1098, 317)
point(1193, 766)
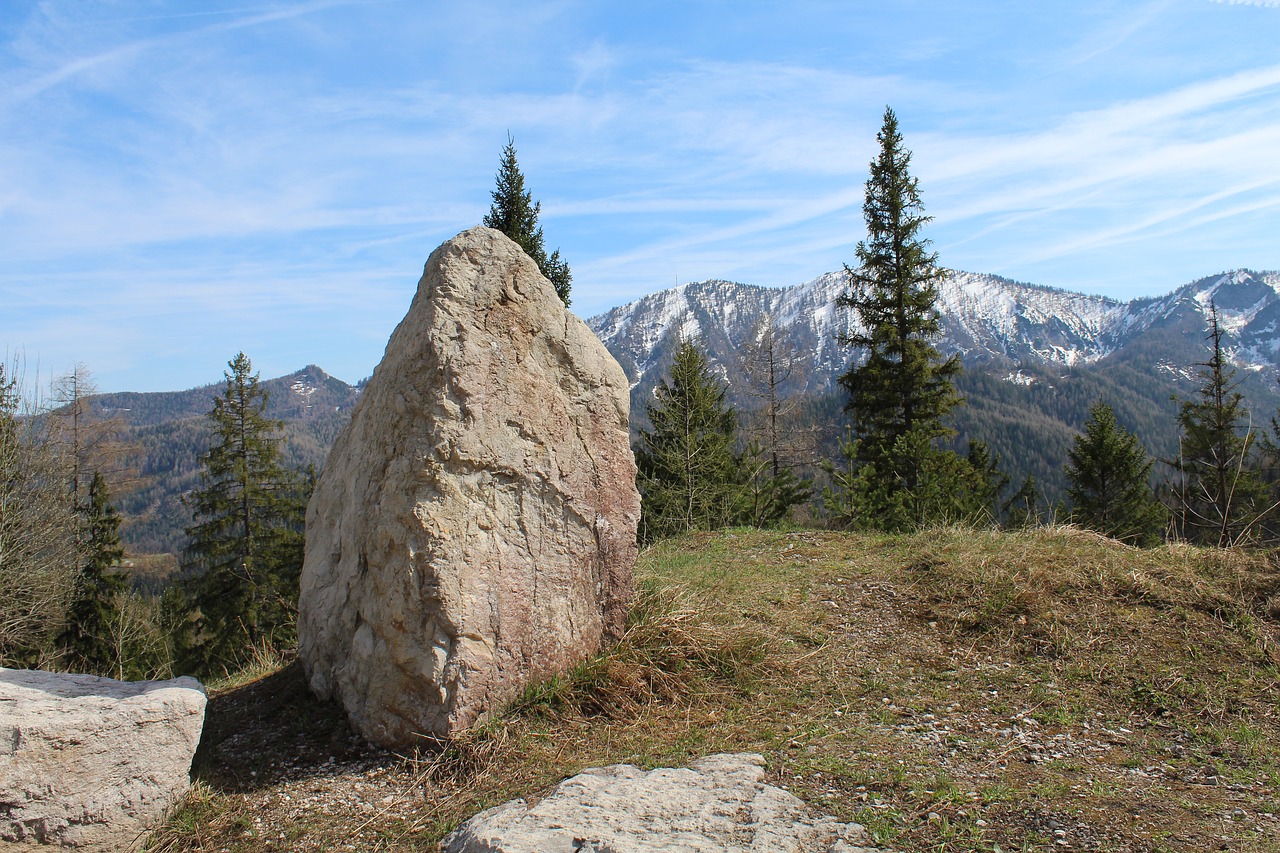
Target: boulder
point(473, 530)
point(719, 803)
point(92, 762)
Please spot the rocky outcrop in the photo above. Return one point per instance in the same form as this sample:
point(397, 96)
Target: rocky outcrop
point(717, 804)
point(474, 526)
point(92, 762)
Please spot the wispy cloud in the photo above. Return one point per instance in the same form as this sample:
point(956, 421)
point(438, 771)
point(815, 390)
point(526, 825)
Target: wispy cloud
point(129, 51)
point(302, 159)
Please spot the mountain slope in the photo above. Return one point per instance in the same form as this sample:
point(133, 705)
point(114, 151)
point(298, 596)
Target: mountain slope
point(165, 433)
point(1035, 358)
point(985, 318)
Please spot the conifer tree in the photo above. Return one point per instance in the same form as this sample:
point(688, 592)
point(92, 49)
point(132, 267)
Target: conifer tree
point(988, 482)
point(1108, 481)
point(515, 213)
point(1218, 498)
point(242, 564)
point(1023, 507)
point(688, 472)
point(87, 639)
point(902, 390)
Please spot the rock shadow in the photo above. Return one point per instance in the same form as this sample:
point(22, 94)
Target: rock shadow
point(273, 730)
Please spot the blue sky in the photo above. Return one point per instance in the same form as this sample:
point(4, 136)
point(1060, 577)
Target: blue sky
point(269, 176)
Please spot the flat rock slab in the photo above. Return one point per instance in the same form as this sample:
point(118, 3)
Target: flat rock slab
point(719, 803)
point(91, 762)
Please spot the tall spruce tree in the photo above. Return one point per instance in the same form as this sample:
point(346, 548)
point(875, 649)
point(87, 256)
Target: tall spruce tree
point(689, 474)
point(1218, 499)
point(88, 640)
point(515, 213)
point(1109, 482)
point(902, 390)
point(242, 564)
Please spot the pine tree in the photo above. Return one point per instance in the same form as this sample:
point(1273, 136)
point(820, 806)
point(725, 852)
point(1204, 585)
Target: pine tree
point(768, 498)
point(903, 389)
point(1218, 498)
point(88, 638)
point(1108, 481)
point(1023, 508)
point(987, 483)
point(245, 553)
point(688, 472)
point(515, 213)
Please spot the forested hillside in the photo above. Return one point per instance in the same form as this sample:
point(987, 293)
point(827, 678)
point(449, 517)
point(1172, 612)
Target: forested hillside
point(1035, 359)
point(163, 435)
point(1030, 377)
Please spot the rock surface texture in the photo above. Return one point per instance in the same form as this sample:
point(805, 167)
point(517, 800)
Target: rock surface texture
point(91, 762)
point(474, 526)
point(717, 804)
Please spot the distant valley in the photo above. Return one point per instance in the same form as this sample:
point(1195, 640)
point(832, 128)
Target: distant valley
point(1035, 360)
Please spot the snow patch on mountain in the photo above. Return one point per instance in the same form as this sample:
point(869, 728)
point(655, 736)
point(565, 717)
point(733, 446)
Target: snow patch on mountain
point(983, 317)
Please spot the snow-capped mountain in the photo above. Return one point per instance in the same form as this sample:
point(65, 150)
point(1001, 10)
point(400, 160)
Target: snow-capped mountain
point(989, 320)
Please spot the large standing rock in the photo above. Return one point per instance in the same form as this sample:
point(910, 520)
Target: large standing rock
point(92, 762)
point(719, 804)
point(474, 526)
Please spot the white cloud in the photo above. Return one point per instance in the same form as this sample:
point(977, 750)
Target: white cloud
point(315, 142)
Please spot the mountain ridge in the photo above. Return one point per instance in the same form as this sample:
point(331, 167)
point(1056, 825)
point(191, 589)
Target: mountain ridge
point(984, 317)
point(1035, 359)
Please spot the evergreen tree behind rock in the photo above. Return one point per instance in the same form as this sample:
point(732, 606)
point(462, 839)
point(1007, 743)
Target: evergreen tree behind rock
point(901, 391)
point(689, 474)
point(1217, 497)
point(988, 482)
point(88, 639)
point(240, 585)
point(515, 213)
point(1109, 482)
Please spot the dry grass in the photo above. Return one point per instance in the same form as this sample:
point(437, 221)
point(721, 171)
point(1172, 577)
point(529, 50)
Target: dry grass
point(955, 690)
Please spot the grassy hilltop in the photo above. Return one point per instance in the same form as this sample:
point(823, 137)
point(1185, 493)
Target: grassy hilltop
point(952, 690)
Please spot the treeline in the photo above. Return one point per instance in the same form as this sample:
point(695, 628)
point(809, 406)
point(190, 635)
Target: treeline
point(900, 461)
point(66, 601)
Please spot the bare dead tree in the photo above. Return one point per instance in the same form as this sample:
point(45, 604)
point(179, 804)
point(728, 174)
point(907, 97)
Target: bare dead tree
point(38, 553)
point(91, 442)
point(772, 370)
